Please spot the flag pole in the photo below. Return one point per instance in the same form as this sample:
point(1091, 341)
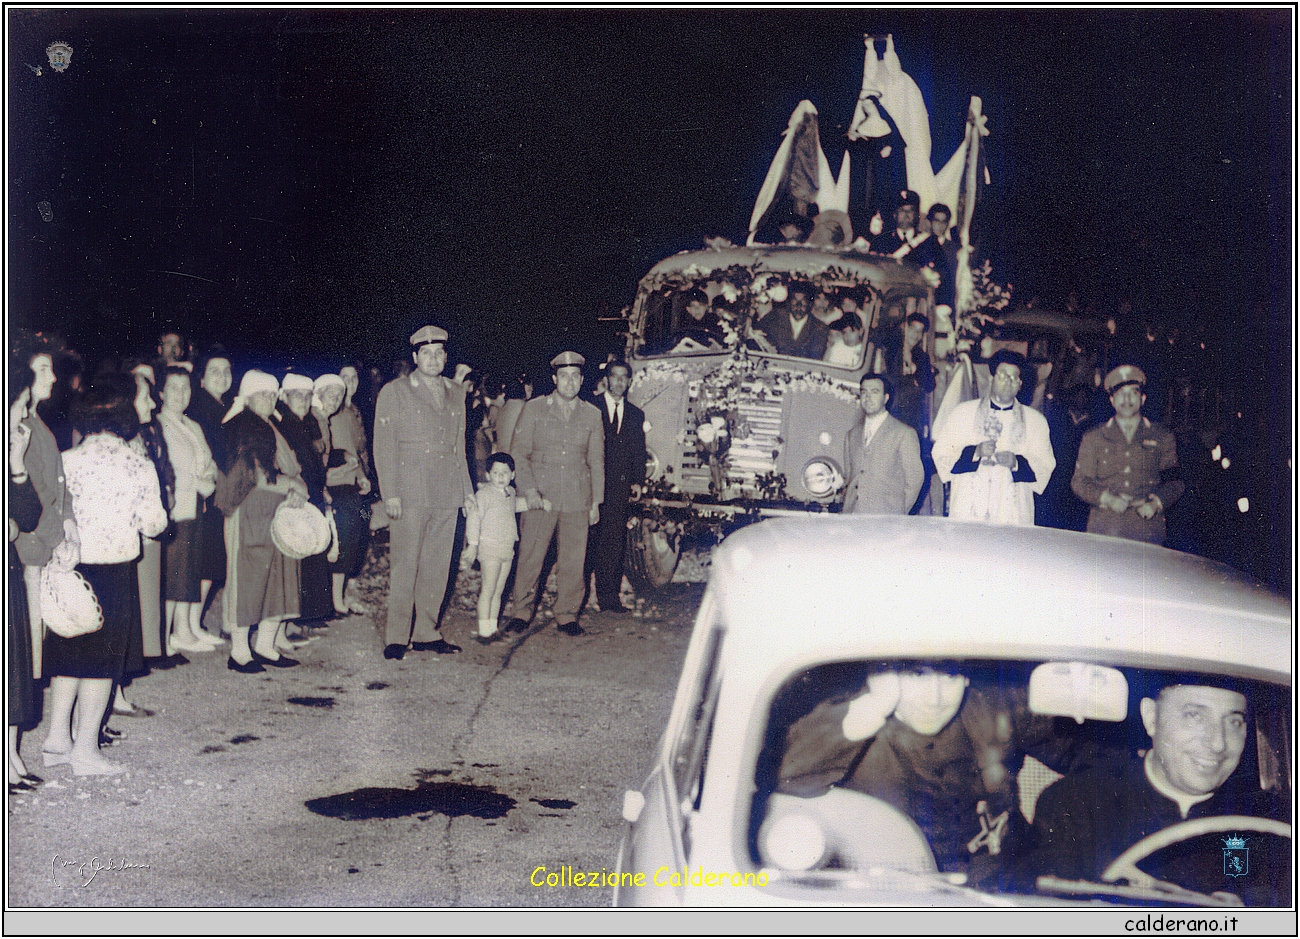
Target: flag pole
point(965, 287)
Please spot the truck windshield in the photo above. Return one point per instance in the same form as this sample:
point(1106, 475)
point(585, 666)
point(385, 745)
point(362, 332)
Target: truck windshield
point(796, 319)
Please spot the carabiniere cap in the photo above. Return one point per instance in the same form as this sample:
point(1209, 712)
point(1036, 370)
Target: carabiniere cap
point(1124, 375)
point(567, 358)
point(427, 334)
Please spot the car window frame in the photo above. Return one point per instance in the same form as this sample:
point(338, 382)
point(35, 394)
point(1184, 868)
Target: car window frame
point(687, 754)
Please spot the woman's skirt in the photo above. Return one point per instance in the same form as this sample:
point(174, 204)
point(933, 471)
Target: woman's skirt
point(24, 695)
point(182, 576)
point(212, 551)
point(261, 583)
point(151, 608)
point(104, 653)
point(353, 525)
point(316, 594)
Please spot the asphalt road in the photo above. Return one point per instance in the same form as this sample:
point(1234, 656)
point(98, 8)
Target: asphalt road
point(457, 776)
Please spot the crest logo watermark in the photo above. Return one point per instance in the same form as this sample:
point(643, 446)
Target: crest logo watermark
point(60, 54)
point(1236, 856)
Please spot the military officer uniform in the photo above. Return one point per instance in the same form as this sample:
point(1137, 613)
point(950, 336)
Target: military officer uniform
point(1145, 466)
point(419, 453)
point(559, 452)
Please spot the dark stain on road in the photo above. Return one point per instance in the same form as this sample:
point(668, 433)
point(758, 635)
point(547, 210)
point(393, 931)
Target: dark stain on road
point(313, 702)
point(554, 803)
point(213, 748)
point(377, 686)
point(440, 798)
point(244, 738)
point(424, 775)
point(335, 688)
point(485, 765)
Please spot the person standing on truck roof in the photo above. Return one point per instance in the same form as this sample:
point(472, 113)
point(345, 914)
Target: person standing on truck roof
point(898, 241)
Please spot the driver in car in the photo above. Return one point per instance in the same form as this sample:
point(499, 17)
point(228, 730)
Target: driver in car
point(934, 747)
point(1198, 734)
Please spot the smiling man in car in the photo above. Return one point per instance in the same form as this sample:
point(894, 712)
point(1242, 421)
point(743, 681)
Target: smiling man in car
point(1198, 735)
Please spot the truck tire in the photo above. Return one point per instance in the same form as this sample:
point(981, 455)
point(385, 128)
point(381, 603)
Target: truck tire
point(651, 557)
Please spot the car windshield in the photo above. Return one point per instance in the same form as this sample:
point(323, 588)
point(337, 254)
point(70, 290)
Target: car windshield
point(775, 314)
point(1030, 778)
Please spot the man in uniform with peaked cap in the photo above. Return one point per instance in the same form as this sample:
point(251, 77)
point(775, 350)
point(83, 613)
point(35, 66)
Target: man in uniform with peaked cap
point(1128, 468)
point(419, 452)
point(559, 452)
point(898, 241)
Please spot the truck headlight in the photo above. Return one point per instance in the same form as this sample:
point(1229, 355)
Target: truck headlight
point(821, 477)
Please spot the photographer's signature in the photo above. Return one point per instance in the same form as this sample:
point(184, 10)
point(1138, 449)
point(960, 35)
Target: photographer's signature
point(68, 872)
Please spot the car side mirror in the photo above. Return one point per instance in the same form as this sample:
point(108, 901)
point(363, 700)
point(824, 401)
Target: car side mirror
point(633, 803)
point(1079, 690)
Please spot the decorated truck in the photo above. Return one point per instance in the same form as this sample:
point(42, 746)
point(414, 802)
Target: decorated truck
point(735, 428)
point(740, 357)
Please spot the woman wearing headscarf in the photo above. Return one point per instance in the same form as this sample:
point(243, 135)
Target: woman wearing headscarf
point(346, 482)
point(24, 510)
point(303, 431)
point(115, 498)
point(261, 471)
point(209, 403)
point(196, 477)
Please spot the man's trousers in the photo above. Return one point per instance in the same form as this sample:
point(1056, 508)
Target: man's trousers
point(534, 539)
point(419, 556)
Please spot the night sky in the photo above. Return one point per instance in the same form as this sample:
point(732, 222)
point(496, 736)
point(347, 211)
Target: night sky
point(321, 182)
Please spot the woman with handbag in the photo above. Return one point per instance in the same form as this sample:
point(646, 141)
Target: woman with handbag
point(115, 498)
point(261, 472)
point(303, 432)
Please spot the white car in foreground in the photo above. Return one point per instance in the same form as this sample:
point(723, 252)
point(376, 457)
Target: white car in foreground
point(1030, 648)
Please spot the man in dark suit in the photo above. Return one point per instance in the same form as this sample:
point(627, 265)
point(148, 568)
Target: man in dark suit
point(792, 331)
point(882, 456)
point(938, 250)
point(625, 459)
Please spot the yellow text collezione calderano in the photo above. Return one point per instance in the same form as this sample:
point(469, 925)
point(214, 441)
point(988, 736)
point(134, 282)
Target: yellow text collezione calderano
point(567, 876)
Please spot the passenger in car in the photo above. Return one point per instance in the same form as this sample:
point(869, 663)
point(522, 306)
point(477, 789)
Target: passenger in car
point(935, 747)
point(845, 346)
point(1198, 735)
point(699, 322)
point(792, 331)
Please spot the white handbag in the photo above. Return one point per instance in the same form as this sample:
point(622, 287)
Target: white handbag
point(68, 602)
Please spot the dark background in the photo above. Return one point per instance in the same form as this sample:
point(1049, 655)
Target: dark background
point(335, 177)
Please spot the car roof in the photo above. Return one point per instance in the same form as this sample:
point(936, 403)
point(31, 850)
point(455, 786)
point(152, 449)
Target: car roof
point(881, 271)
point(831, 587)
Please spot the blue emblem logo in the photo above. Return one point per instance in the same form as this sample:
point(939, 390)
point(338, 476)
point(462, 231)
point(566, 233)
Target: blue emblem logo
point(1236, 856)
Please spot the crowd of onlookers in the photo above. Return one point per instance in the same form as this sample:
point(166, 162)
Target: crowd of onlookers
point(141, 497)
